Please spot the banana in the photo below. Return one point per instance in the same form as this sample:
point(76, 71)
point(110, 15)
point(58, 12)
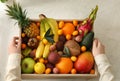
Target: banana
point(40, 50)
point(47, 26)
point(41, 46)
point(46, 23)
point(42, 29)
point(54, 26)
point(46, 50)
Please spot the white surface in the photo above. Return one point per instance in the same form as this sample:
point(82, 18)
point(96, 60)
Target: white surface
point(107, 25)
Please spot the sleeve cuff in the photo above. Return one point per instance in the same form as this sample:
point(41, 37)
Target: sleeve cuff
point(101, 58)
point(14, 59)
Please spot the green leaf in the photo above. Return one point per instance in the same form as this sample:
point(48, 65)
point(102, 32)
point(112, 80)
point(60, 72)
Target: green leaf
point(66, 52)
point(49, 36)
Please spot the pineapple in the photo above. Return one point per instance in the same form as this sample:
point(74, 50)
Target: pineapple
point(32, 30)
point(29, 28)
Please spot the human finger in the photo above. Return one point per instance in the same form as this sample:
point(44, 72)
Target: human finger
point(19, 43)
point(95, 42)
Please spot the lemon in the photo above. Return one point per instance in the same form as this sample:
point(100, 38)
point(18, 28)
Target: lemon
point(39, 68)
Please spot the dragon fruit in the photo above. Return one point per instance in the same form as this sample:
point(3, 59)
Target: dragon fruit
point(87, 25)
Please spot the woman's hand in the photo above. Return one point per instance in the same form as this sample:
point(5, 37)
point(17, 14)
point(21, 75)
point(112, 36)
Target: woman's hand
point(98, 48)
point(15, 45)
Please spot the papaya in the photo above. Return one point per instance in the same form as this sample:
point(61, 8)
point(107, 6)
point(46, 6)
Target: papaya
point(88, 40)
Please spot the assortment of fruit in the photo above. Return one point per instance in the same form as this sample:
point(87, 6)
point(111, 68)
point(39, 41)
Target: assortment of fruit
point(55, 47)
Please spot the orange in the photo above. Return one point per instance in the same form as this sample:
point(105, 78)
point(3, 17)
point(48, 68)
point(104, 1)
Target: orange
point(73, 71)
point(64, 65)
point(38, 37)
point(23, 35)
point(45, 41)
point(73, 58)
point(68, 37)
point(92, 71)
point(23, 46)
point(38, 24)
point(83, 48)
point(48, 71)
point(61, 24)
point(75, 22)
point(41, 60)
point(60, 32)
point(75, 33)
point(68, 28)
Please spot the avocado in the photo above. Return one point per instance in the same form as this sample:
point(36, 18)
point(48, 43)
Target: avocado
point(88, 40)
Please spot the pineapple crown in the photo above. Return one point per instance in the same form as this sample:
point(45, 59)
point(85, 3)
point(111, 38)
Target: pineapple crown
point(15, 12)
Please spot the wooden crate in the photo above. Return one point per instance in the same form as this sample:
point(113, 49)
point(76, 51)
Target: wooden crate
point(59, 76)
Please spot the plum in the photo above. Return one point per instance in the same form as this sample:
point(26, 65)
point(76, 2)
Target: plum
point(53, 57)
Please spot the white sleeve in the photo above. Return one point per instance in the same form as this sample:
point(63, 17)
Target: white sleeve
point(104, 68)
point(13, 69)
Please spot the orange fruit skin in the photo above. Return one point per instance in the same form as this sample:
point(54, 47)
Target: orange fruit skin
point(65, 65)
point(68, 28)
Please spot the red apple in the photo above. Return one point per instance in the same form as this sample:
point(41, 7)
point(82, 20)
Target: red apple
point(84, 62)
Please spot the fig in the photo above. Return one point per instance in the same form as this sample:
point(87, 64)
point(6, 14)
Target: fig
point(53, 57)
point(59, 46)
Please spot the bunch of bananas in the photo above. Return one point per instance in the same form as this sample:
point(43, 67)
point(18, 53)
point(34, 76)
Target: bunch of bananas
point(46, 24)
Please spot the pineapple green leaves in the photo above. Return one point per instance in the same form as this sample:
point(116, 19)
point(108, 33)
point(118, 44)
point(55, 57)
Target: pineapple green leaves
point(15, 12)
point(3, 1)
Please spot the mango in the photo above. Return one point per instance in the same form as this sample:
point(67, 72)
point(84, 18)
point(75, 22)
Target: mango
point(84, 62)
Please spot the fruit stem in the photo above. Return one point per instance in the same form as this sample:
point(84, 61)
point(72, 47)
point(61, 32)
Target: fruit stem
point(42, 16)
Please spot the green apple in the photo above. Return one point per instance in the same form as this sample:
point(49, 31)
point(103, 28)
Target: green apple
point(27, 65)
